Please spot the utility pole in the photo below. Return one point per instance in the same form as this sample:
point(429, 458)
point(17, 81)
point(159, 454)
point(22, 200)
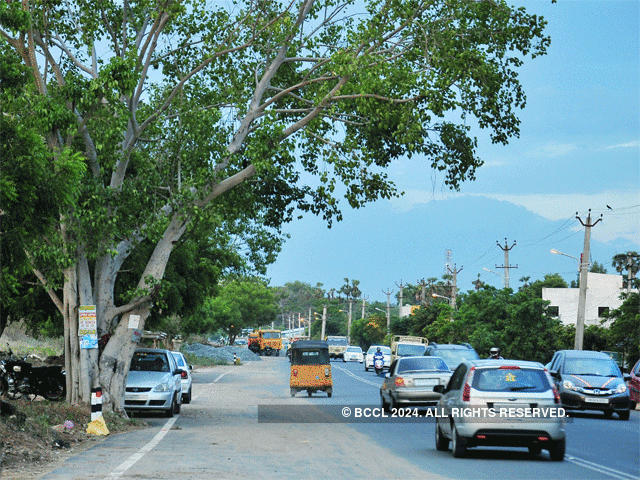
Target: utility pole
point(454, 287)
point(423, 296)
point(401, 286)
point(349, 323)
point(310, 318)
point(324, 321)
point(506, 265)
point(388, 294)
point(364, 303)
point(584, 272)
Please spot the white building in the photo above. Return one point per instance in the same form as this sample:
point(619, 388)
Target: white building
point(603, 294)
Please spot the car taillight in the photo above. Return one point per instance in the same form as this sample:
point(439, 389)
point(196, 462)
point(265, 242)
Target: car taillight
point(466, 391)
point(183, 374)
point(399, 382)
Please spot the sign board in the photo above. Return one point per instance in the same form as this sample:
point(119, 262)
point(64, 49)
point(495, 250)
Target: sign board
point(88, 326)
point(136, 335)
point(134, 321)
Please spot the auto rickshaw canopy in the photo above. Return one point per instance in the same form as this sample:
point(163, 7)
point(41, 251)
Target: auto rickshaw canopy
point(310, 352)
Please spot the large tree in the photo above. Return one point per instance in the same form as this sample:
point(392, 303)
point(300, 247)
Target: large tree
point(244, 109)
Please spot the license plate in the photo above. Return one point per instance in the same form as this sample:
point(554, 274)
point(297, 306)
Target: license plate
point(596, 400)
point(142, 398)
point(425, 382)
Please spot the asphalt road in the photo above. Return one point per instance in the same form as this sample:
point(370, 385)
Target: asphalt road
point(242, 423)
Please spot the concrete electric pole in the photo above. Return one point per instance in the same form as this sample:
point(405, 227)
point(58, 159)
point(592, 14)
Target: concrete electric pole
point(584, 271)
point(506, 265)
point(388, 294)
point(454, 287)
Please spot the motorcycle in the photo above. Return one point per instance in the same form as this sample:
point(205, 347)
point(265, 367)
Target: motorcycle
point(18, 377)
point(378, 365)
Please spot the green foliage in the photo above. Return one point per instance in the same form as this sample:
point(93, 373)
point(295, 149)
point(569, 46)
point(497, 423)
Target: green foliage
point(368, 331)
point(624, 330)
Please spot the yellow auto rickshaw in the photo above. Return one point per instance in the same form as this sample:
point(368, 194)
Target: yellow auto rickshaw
point(310, 367)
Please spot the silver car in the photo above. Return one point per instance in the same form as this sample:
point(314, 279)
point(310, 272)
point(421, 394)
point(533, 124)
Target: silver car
point(185, 376)
point(153, 383)
point(410, 382)
point(500, 403)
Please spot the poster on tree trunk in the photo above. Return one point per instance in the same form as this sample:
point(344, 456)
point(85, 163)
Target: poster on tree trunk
point(88, 326)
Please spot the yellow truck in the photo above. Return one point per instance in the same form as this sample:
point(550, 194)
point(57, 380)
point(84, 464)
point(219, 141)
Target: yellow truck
point(337, 345)
point(265, 342)
point(407, 346)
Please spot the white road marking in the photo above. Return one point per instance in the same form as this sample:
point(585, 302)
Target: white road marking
point(368, 382)
point(601, 468)
point(131, 461)
point(119, 471)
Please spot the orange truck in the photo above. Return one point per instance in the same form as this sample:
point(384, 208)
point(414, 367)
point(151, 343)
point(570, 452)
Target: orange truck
point(265, 342)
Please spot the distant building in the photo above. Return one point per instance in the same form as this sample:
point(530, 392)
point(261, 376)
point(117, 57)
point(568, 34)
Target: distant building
point(603, 295)
point(407, 310)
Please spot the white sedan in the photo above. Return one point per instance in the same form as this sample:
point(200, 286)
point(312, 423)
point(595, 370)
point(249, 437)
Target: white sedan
point(185, 376)
point(353, 354)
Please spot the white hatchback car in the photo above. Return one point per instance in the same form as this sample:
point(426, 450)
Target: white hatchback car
point(185, 376)
point(353, 354)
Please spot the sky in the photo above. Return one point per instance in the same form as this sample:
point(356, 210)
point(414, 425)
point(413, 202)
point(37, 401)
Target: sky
point(578, 154)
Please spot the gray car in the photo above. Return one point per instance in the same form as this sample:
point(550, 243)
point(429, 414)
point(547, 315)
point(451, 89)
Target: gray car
point(153, 383)
point(500, 403)
point(410, 382)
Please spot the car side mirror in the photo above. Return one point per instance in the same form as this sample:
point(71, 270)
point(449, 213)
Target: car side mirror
point(438, 388)
point(627, 377)
point(191, 367)
point(554, 374)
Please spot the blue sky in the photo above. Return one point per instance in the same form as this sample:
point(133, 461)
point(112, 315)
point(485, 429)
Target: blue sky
point(579, 149)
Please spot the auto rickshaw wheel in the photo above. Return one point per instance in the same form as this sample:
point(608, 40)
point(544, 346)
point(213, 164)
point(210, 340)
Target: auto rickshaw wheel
point(309, 392)
point(293, 392)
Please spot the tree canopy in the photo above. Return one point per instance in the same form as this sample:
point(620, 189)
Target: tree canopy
point(238, 113)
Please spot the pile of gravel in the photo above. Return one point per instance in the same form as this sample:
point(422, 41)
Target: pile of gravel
point(222, 354)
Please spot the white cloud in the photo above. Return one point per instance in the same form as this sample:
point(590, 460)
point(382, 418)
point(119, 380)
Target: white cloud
point(632, 144)
point(552, 150)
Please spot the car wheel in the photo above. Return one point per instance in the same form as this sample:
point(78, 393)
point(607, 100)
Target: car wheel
point(556, 450)
point(383, 404)
point(293, 392)
point(624, 415)
point(187, 397)
point(442, 442)
point(534, 449)
point(632, 405)
point(169, 413)
point(366, 369)
point(458, 444)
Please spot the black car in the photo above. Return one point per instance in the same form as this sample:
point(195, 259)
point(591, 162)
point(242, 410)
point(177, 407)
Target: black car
point(452, 354)
point(590, 381)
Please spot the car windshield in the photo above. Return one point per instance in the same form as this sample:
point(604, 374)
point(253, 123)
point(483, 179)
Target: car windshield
point(602, 367)
point(405, 350)
point(179, 359)
point(431, 364)
point(453, 358)
point(149, 362)
point(339, 341)
point(354, 349)
point(385, 350)
point(510, 380)
point(271, 335)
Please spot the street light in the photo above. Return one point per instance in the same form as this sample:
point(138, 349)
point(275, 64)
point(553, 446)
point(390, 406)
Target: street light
point(495, 273)
point(565, 254)
point(435, 295)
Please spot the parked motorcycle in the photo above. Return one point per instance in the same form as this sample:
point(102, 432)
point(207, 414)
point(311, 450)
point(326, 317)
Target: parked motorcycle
point(18, 377)
point(378, 365)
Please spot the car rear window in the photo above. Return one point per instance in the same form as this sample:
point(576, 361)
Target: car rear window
point(432, 364)
point(510, 380)
point(410, 350)
point(179, 360)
